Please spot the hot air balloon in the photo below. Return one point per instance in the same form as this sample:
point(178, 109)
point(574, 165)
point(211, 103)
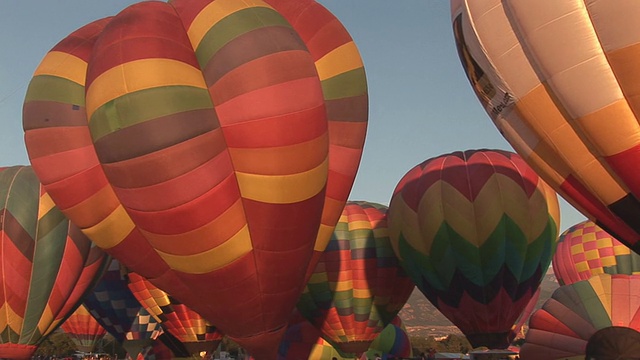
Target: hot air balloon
point(613, 343)
point(188, 327)
point(476, 231)
point(141, 335)
point(114, 306)
point(585, 250)
point(47, 264)
point(83, 329)
point(575, 313)
point(558, 79)
point(203, 156)
point(357, 288)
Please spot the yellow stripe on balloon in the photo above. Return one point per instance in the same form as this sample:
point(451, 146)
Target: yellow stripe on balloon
point(210, 260)
point(342, 285)
point(111, 230)
point(140, 75)
point(602, 287)
point(5, 309)
point(45, 205)
point(63, 65)
point(460, 213)
point(324, 235)
point(405, 222)
point(356, 225)
point(213, 13)
point(362, 293)
point(46, 321)
point(283, 189)
point(340, 60)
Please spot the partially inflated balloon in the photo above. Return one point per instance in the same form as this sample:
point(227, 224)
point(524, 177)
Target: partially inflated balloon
point(111, 302)
point(83, 329)
point(194, 332)
point(357, 288)
point(613, 343)
point(476, 231)
point(574, 313)
point(142, 333)
point(208, 145)
point(46, 264)
point(393, 340)
point(585, 250)
point(559, 80)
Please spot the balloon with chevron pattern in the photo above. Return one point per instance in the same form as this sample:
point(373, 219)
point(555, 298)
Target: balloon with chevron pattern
point(476, 231)
point(46, 264)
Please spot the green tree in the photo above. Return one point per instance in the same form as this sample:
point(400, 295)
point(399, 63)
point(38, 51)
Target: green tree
point(57, 343)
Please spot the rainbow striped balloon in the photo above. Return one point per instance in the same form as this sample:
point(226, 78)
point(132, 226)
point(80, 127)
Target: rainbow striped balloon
point(358, 287)
point(83, 329)
point(476, 231)
point(209, 146)
point(563, 326)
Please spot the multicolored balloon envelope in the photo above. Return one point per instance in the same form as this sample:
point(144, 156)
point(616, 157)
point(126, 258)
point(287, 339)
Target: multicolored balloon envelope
point(210, 146)
point(194, 333)
point(46, 264)
point(83, 329)
point(574, 313)
point(585, 250)
point(559, 80)
point(476, 231)
point(357, 287)
point(111, 302)
point(140, 337)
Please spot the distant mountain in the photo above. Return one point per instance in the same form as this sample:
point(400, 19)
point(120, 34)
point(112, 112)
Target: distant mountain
point(421, 318)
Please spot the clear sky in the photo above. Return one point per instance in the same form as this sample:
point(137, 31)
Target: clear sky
point(421, 104)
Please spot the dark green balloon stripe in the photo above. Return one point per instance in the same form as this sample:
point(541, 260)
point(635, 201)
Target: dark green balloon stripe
point(21, 191)
point(52, 221)
point(148, 104)
point(425, 275)
point(481, 264)
point(581, 298)
point(234, 25)
point(53, 88)
point(349, 84)
point(48, 256)
point(9, 336)
point(540, 251)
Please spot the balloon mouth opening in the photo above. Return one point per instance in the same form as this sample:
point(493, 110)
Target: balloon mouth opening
point(354, 347)
point(17, 351)
point(500, 340)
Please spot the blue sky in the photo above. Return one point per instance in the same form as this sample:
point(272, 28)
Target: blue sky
point(421, 104)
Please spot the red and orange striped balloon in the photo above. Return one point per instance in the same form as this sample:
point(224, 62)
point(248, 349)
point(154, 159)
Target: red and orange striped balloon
point(46, 264)
point(83, 329)
point(208, 145)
